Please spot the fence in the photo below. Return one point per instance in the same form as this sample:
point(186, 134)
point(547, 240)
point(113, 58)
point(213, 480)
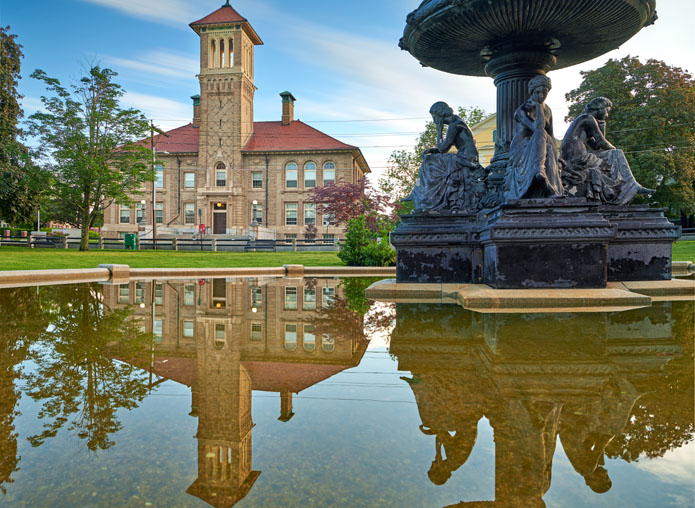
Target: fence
point(175, 244)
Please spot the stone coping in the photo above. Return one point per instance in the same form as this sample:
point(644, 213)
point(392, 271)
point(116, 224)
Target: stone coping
point(617, 296)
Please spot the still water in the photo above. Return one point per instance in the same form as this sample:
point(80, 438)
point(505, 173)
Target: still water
point(301, 393)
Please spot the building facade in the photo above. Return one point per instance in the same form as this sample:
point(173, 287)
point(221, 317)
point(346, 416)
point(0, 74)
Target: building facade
point(224, 170)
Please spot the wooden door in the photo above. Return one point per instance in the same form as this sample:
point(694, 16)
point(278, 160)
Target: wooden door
point(219, 226)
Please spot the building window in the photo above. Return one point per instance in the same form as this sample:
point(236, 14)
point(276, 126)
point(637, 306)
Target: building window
point(221, 175)
point(290, 298)
point(309, 213)
point(291, 214)
point(159, 171)
point(189, 294)
point(290, 337)
point(158, 293)
point(188, 328)
point(309, 339)
point(189, 213)
point(309, 175)
point(189, 180)
point(140, 213)
point(329, 238)
point(256, 297)
point(159, 213)
point(220, 336)
point(124, 215)
point(327, 343)
point(257, 213)
point(291, 175)
point(290, 236)
point(256, 331)
point(124, 293)
point(257, 179)
point(139, 292)
point(328, 173)
point(157, 331)
point(309, 299)
point(328, 295)
point(328, 219)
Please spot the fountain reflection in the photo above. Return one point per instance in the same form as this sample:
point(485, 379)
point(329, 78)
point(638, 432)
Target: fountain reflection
point(227, 338)
point(607, 385)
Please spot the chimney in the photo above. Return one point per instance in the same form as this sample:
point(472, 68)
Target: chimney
point(287, 108)
point(196, 111)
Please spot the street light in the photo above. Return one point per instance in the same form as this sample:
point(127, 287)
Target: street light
point(254, 223)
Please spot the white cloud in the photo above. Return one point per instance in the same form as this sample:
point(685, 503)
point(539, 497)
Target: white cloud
point(31, 105)
point(676, 466)
point(158, 65)
point(167, 114)
point(170, 12)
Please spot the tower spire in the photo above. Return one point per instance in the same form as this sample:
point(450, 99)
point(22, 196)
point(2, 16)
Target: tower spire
point(226, 4)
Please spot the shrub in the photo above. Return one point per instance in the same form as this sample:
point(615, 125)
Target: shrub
point(362, 247)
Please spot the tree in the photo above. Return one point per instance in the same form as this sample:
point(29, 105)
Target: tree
point(403, 165)
point(89, 145)
point(652, 121)
point(19, 179)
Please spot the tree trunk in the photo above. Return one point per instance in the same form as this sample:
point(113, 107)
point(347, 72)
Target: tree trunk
point(84, 236)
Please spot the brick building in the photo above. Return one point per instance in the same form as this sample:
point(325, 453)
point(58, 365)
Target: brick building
point(224, 169)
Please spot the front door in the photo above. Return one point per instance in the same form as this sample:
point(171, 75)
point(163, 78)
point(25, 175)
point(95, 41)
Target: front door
point(219, 226)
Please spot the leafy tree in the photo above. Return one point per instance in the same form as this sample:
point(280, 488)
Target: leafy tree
point(652, 121)
point(364, 247)
point(90, 145)
point(403, 165)
point(19, 179)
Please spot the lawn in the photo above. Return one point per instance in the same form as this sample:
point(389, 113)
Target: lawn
point(20, 258)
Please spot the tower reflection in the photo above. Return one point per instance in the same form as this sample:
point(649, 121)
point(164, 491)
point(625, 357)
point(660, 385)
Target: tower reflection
point(607, 385)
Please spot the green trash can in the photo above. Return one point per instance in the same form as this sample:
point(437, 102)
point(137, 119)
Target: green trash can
point(130, 239)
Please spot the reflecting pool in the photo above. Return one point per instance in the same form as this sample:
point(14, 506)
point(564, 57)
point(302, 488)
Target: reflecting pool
point(301, 392)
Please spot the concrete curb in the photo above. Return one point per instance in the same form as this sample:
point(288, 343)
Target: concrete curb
point(23, 278)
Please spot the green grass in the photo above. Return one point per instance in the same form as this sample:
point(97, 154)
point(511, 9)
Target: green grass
point(21, 258)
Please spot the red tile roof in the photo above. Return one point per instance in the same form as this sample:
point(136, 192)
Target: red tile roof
point(225, 14)
point(182, 139)
point(278, 376)
point(275, 137)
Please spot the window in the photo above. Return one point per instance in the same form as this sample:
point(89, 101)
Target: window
point(290, 337)
point(328, 173)
point(189, 294)
point(256, 331)
point(257, 213)
point(309, 299)
point(327, 343)
point(309, 175)
point(290, 298)
point(124, 216)
point(309, 339)
point(291, 175)
point(189, 213)
point(139, 292)
point(220, 336)
point(256, 297)
point(328, 219)
point(329, 238)
point(290, 236)
point(219, 293)
point(157, 331)
point(309, 213)
point(159, 181)
point(158, 293)
point(188, 328)
point(257, 179)
point(221, 177)
point(291, 214)
point(159, 213)
point(140, 213)
point(328, 296)
point(189, 180)
point(124, 293)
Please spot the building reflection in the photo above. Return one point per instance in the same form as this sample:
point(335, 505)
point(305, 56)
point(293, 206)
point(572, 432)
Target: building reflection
point(607, 385)
point(226, 338)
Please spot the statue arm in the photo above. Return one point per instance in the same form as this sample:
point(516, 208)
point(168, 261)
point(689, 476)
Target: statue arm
point(595, 138)
point(450, 139)
point(524, 119)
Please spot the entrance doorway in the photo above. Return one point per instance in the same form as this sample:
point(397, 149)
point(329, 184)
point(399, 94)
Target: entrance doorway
point(219, 219)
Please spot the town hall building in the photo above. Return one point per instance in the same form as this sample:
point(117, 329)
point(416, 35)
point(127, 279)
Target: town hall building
point(226, 171)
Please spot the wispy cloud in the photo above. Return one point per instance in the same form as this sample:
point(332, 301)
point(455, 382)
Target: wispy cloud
point(158, 65)
point(169, 12)
point(166, 113)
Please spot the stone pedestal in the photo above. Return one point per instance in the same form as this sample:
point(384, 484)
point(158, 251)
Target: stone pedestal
point(546, 243)
point(438, 249)
point(641, 249)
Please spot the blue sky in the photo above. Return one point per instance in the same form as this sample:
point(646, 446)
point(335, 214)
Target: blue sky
point(340, 59)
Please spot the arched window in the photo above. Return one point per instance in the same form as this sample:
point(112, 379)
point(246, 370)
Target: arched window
point(309, 339)
point(309, 175)
point(328, 173)
point(290, 337)
point(291, 175)
point(230, 49)
point(327, 343)
point(223, 55)
point(213, 53)
point(220, 175)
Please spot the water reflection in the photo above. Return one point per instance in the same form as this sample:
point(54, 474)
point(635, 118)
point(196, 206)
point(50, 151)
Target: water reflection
point(608, 385)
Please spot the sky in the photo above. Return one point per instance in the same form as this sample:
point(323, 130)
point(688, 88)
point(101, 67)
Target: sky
point(339, 59)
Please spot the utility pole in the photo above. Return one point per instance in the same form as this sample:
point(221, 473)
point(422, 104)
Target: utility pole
point(154, 189)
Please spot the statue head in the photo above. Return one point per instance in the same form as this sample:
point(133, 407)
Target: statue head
point(598, 480)
point(439, 472)
point(599, 107)
point(440, 110)
point(539, 86)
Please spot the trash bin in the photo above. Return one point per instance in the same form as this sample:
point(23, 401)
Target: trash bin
point(130, 239)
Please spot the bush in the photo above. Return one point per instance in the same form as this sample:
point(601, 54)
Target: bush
point(362, 247)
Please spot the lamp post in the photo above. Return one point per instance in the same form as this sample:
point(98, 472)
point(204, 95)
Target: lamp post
point(254, 223)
